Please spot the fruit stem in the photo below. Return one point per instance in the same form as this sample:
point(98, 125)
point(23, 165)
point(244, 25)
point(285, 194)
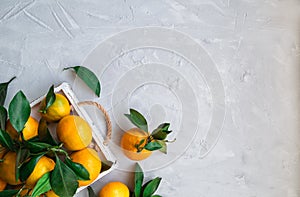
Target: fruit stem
point(149, 139)
point(140, 149)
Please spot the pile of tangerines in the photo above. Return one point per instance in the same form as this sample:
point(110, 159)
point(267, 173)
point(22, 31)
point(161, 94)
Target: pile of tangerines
point(73, 132)
point(33, 162)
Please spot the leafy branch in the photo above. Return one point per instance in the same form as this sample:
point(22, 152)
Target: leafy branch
point(144, 190)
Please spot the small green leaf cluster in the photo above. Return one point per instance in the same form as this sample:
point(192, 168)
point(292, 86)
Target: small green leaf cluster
point(157, 139)
point(144, 190)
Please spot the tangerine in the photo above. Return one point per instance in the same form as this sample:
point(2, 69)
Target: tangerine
point(74, 132)
point(59, 109)
point(129, 142)
point(90, 160)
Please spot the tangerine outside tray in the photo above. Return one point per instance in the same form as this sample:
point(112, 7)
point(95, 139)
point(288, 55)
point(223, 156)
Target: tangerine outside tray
point(103, 151)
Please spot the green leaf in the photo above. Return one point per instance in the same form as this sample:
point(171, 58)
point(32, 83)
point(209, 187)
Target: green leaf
point(42, 185)
point(79, 169)
point(138, 146)
point(156, 196)
point(28, 167)
point(151, 187)
point(18, 161)
point(88, 77)
point(3, 117)
point(22, 156)
point(164, 146)
point(50, 98)
point(44, 133)
point(138, 180)
point(3, 91)
point(164, 126)
point(137, 119)
point(33, 139)
point(19, 111)
point(8, 193)
point(154, 145)
point(36, 147)
point(5, 140)
point(91, 192)
point(63, 180)
point(25, 154)
point(161, 132)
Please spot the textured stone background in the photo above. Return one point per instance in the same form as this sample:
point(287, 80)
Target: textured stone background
point(254, 43)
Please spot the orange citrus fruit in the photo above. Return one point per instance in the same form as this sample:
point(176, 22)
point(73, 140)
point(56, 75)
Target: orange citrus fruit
point(74, 132)
point(130, 140)
point(59, 109)
point(2, 153)
point(51, 194)
point(114, 189)
point(30, 129)
point(2, 185)
point(90, 160)
point(7, 168)
point(43, 166)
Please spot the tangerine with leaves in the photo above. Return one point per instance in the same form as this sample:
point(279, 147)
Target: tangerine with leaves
point(30, 129)
point(132, 144)
point(137, 143)
point(90, 160)
point(57, 110)
point(43, 166)
point(74, 132)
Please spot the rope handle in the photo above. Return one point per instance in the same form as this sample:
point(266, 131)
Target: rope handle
point(106, 116)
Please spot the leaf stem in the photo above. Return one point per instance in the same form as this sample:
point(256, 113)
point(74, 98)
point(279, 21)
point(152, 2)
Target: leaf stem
point(59, 150)
point(11, 79)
